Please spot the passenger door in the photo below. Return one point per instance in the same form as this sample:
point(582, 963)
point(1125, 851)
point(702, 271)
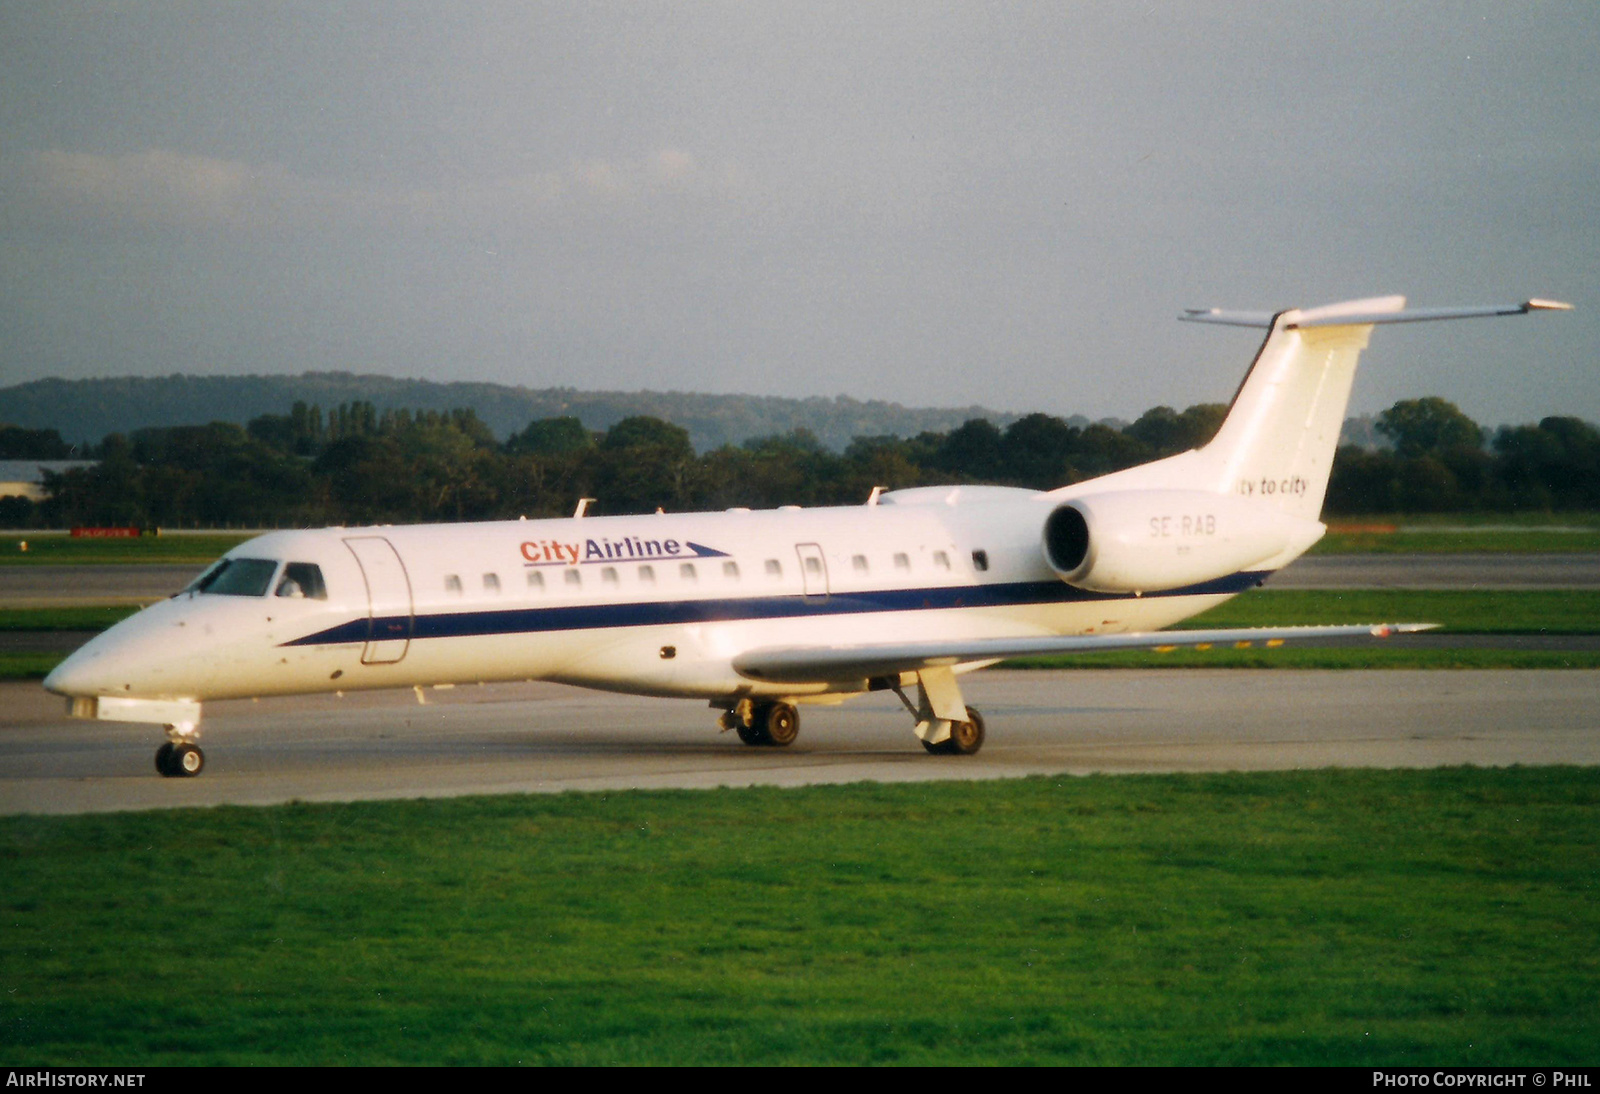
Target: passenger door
point(388, 599)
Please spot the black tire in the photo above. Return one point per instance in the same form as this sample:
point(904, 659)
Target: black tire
point(164, 759)
point(967, 737)
point(781, 724)
point(751, 735)
point(941, 749)
point(187, 761)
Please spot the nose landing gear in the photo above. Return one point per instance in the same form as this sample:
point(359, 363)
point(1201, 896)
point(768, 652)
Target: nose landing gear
point(180, 757)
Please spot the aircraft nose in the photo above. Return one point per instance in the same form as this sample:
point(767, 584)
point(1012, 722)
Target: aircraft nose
point(79, 674)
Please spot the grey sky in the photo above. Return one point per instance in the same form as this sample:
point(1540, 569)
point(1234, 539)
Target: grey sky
point(936, 204)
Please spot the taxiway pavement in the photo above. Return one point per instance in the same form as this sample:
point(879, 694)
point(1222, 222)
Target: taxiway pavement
point(540, 738)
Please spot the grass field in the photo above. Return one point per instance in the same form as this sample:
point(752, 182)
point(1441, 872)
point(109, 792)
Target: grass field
point(59, 548)
point(1377, 656)
point(1459, 533)
point(27, 664)
point(86, 618)
point(1459, 611)
point(1334, 917)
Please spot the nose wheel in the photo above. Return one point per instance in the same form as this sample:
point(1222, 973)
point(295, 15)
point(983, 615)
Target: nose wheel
point(180, 760)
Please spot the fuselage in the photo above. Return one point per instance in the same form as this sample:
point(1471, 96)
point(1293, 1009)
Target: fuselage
point(655, 605)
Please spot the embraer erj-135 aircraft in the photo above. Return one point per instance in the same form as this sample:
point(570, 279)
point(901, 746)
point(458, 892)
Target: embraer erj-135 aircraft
point(759, 612)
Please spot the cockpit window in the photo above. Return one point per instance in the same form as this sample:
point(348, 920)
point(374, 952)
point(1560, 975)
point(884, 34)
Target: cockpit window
point(302, 579)
point(237, 577)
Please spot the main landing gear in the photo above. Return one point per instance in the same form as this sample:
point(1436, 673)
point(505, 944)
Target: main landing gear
point(776, 724)
point(965, 737)
point(946, 726)
point(180, 757)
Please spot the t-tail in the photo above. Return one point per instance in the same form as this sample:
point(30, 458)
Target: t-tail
point(1269, 461)
point(1277, 442)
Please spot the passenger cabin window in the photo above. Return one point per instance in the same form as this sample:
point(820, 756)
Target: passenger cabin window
point(608, 576)
point(730, 570)
point(491, 584)
point(813, 565)
point(902, 561)
point(573, 577)
point(536, 581)
point(452, 584)
point(860, 563)
point(687, 572)
point(237, 577)
point(647, 574)
point(774, 568)
point(941, 560)
point(302, 580)
point(980, 560)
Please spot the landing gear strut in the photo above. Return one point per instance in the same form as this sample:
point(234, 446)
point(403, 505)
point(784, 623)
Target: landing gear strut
point(180, 757)
point(946, 726)
point(776, 724)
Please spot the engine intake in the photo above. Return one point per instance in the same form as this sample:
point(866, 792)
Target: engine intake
point(1150, 540)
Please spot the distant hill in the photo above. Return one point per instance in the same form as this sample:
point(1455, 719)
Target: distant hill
point(86, 410)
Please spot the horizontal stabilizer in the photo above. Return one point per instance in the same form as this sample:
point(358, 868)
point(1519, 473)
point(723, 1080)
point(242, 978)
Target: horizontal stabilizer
point(805, 664)
point(1263, 320)
point(1423, 315)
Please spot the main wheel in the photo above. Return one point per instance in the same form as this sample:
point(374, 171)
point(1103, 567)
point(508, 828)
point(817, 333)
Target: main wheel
point(187, 761)
point(781, 723)
point(967, 737)
point(751, 735)
point(164, 759)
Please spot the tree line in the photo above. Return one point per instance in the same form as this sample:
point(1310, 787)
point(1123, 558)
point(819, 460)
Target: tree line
point(355, 465)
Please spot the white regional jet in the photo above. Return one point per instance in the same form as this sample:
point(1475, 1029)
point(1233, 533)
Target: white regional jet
point(759, 612)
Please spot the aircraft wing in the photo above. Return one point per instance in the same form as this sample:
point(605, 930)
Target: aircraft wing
point(808, 664)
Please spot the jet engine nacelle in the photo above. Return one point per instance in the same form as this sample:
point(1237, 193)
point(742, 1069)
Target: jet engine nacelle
point(1135, 541)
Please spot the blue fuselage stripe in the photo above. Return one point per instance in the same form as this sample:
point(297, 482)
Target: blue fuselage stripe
point(583, 617)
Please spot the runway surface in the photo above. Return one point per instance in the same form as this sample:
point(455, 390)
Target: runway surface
point(540, 738)
point(59, 586)
point(1419, 571)
point(62, 586)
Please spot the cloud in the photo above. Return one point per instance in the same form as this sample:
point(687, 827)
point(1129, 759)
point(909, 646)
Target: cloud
point(156, 184)
point(173, 188)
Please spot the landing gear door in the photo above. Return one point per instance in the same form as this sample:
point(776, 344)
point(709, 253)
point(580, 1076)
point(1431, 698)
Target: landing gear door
point(813, 568)
point(388, 599)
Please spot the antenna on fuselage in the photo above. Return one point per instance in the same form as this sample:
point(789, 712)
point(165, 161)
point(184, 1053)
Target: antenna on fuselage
point(872, 498)
point(583, 505)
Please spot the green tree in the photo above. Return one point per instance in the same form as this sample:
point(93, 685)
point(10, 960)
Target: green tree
point(1552, 465)
point(1038, 451)
point(974, 451)
point(552, 436)
point(1420, 427)
point(1166, 432)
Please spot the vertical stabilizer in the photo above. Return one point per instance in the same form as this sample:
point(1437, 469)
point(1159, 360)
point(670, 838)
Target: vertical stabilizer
point(1277, 443)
